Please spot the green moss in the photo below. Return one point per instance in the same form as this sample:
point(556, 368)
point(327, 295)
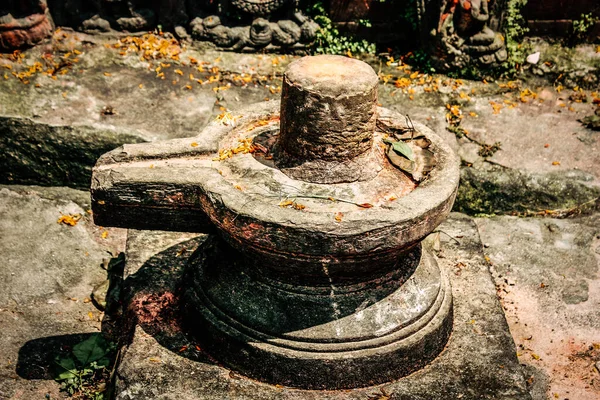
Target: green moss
point(509, 191)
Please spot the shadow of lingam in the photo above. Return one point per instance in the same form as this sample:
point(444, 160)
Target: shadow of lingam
point(152, 300)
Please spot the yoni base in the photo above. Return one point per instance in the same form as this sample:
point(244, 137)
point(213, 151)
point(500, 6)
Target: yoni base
point(336, 335)
point(163, 361)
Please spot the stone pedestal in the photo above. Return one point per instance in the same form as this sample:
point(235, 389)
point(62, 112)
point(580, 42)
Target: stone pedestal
point(163, 360)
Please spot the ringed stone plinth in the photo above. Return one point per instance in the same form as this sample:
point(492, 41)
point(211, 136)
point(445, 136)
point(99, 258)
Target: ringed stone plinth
point(318, 337)
point(328, 116)
point(314, 280)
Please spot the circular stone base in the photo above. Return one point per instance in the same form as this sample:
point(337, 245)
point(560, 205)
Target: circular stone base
point(318, 337)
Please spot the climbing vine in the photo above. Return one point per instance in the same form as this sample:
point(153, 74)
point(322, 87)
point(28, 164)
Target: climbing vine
point(582, 27)
point(330, 40)
point(514, 30)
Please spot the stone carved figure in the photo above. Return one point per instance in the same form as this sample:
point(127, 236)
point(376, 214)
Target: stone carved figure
point(464, 36)
point(264, 23)
point(261, 7)
point(233, 24)
point(123, 15)
point(105, 15)
point(23, 23)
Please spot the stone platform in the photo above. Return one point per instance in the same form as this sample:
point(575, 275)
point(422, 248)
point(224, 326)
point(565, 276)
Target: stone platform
point(163, 362)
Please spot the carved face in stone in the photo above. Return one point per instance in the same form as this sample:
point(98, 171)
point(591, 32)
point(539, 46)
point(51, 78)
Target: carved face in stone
point(23, 23)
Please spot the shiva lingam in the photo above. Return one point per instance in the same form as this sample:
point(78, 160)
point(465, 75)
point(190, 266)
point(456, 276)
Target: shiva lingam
point(316, 277)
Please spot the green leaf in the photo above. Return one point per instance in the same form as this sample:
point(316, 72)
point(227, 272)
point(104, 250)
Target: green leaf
point(66, 369)
point(92, 349)
point(403, 149)
point(101, 363)
point(424, 159)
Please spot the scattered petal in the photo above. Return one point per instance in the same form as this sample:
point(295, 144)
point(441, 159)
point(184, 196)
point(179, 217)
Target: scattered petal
point(70, 219)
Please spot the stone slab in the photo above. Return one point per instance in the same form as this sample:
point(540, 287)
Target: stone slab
point(47, 272)
point(547, 273)
point(53, 128)
point(162, 362)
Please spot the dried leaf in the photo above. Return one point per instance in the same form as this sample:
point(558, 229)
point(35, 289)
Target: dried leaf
point(424, 159)
point(286, 203)
point(401, 162)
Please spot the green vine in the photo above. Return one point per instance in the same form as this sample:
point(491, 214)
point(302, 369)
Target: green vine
point(331, 41)
point(582, 27)
point(514, 30)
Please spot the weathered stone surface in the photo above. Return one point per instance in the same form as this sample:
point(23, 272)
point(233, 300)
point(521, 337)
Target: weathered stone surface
point(48, 270)
point(328, 108)
point(52, 134)
point(328, 115)
point(162, 110)
point(463, 36)
point(163, 361)
point(304, 303)
point(31, 25)
point(37, 153)
point(547, 274)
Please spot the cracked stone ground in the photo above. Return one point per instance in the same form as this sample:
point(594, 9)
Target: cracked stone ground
point(64, 103)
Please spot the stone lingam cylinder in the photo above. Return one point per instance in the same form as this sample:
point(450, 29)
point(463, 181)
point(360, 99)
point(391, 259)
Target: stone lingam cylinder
point(316, 277)
point(328, 117)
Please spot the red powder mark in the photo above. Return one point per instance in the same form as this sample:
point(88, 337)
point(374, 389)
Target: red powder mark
point(156, 311)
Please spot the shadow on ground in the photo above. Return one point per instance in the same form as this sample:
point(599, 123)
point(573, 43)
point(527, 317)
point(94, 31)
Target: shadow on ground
point(36, 357)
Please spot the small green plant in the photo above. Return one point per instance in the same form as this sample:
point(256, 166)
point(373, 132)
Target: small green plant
point(583, 26)
point(331, 41)
point(84, 372)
